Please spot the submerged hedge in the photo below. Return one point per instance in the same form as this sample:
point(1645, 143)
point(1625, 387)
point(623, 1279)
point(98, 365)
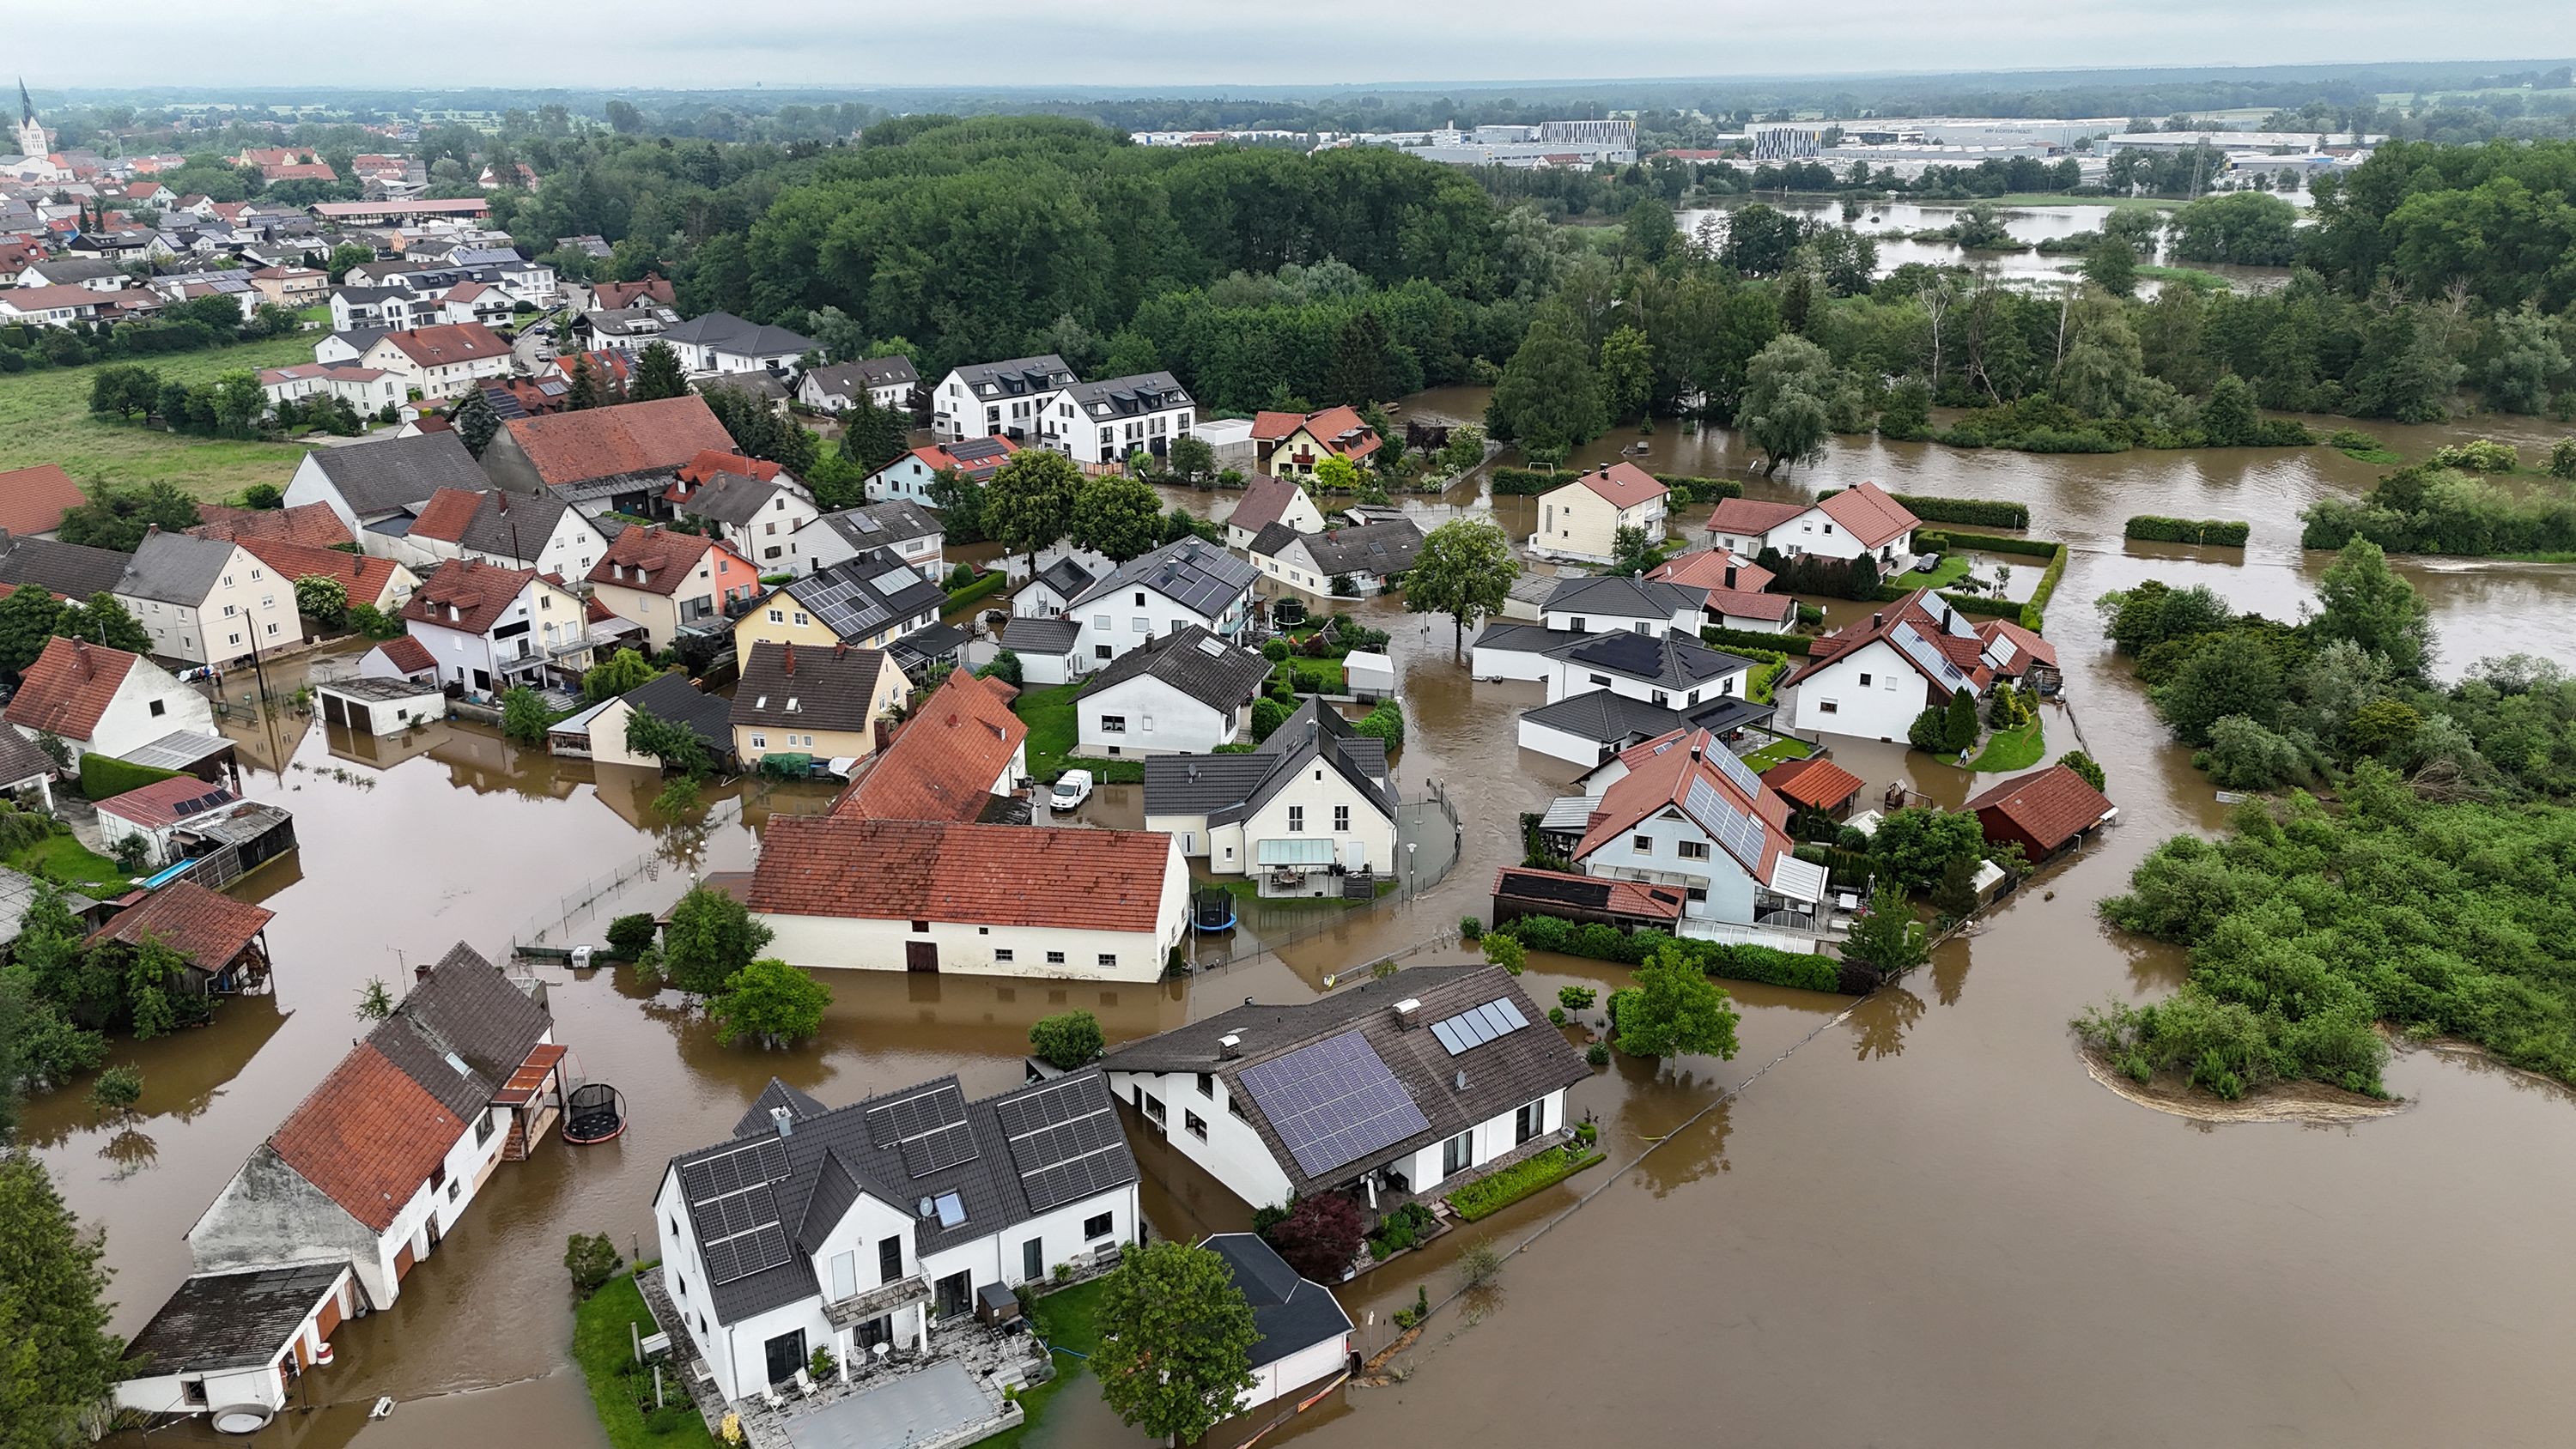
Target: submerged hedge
point(1983, 512)
point(1527, 482)
point(1736, 963)
point(2156, 528)
point(1487, 1196)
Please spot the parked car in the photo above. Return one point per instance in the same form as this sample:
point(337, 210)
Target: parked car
point(1071, 789)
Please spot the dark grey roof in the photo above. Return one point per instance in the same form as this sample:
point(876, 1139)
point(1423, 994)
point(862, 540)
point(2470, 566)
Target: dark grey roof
point(874, 525)
point(1670, 660)
point(465, 1013)
point(830, 688)
point(1194, 661)
point(1040, 636)
point(1014, 1157)
point(1197, 575)
point(733, 498)
point(513, 525)
point(928, 645)
point(1526, 638)
point(362, 338)
point(673, 699)
point(849, 379)
point(1290, 1313)
point(1605, 718)
point(726, 332)
point(765, 385)
point(59, 271)
point(861, 596)
point(20, 759)
point(1018, 377)
point(1233, 786)
point(1617, 596)
point(230, 1320)
point(1727, 712)
point(1506, 1072)
point(176, 568)
point(1129, 397)
point(1382, 548)
point(74, 570)
point(390, 473)
point(1066, 576)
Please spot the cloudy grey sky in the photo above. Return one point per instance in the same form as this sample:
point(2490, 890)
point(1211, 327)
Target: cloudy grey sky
point(1174, 44)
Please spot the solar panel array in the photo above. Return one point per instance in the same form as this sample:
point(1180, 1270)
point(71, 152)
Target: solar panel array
point(847, 604)
point(1734, 770)
point(927, 1126)
point(1193, 573)
point(1738, 832)
point(1333, 1103)
point(1065, 1142)
point(1478, 1025)
point(939, 1150)
point(1923, 652)
point(733, 1201)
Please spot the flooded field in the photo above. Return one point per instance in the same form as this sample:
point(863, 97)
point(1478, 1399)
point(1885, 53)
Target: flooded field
point(1926, 1225)
point(1892, 223)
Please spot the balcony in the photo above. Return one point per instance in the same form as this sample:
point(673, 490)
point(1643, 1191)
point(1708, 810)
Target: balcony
point(877, 1302)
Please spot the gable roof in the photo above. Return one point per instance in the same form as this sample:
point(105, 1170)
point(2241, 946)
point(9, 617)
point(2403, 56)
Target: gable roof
point(1128, 397)
point(1266, 501)
point(1385, 547)
point(447, 344)
point(1235, 785)
point(1624, 485)
point(207, 927)
point(863, 596)
point(1869, 514)
point(1194, 661)
point(1002, 875)
point(609, 442)
point(1197, 575)
point(1815, 781)
point(1605, 716)
point(874, 525)
point(1501, 1073)
point(368, 1137)
point(1714, 569)
point(462, 1031)
point(1935, 644)
point(479, 592)
point(975, 458)
point(1338, 429)
point(674, 700)
point(944, 760)
point(734, 498)
point(808, 689)
point(68, 687)
point(1017, 377)
point(725, 332)
point(34, 500)
point(386, 474)
point(1290, 1313)
point(2051, 806)
point(654, 559)
point(311, 523)
point(175, 568)
point(407, 654)
point(849, 379)
point(1617, 596)
point(1751, 515)
point(2007, 642)
point(1670, 659)
point(1028, 1151)
point(157, 804)
point(365, 578)
point(1683, 771)
point(73, 570)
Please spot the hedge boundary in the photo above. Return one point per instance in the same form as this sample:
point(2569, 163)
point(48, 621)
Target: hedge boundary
point(103, 778)
point(1598, 942)
point(1723, 638)
point(1982, 512)
point(2033, 615)
point(1529, 1175)
point(2215, 532)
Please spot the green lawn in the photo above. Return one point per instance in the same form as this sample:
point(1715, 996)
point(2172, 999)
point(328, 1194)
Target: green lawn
point(1317, 676)
point(2012, 750)
point(63, 859)
point(1054, 731)
point(45, 418)
point(1066, 1318)
point(601, 1346)
point(1954, 566)
point(1777, 751)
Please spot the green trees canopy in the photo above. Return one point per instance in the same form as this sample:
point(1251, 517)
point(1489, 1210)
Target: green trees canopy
point(1674, 1010)
point(1464, 569)
point(711, 937)
point(54, 1314)
point(770, 1001)
point(1118, 516)
point(1029, 503)
point(1549, 398)
point(615, 675)
point(1067, 1040)
point(1176, 1340)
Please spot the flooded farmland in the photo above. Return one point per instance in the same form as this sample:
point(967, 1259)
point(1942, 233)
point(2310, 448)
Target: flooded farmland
point(1925, 1224)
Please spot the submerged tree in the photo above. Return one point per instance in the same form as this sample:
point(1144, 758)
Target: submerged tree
point(1176, 1339)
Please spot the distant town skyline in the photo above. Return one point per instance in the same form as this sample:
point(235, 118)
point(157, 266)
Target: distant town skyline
point(1174, 45)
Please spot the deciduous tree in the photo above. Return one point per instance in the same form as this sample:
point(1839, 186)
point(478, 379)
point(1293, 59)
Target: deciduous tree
point(1465, 569)
point(1176, 1340)
point(1320, 1236)
point(711, 936)
point(1675, 1010)
point(1118, 516)
point(776, 1003)
point(1888, 937)
point(104, 619)
point(616, 674)
point(1029, 502)
point(1068, 1040)
point(2361, 600)
point(62, 1361)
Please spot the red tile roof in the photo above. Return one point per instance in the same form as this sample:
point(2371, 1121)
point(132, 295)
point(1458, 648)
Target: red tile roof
point(1663, 777)
point(944, 760)
point(34, 500)
point(1818, 782)
point(1751, 515)
point(305, 171)
point(207, 927)
point(1706, 568)
point(705, 467)
point(939, 460)
point(1264, 503)
point(1270, 427)
point(157, 804)
point(628, 438)
point(368, 1137)
point(478, 591)
point(1625, 484)
point(65, 294)
point(1923, 612)
point(1339, 429)
point(654, 560)
point(1868, 514)
point(365, 578)
point(612, 296)
point(606, 365)
point(444, 517)
point(447, 344)
point(68, 687)
point(408, 655)
point(2051, 806)
point(1000, 875)
point(306, 523)
point(2023, 639)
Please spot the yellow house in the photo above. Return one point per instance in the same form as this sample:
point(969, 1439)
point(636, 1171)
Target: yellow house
point(667, 581)
point(867, 602)
point(822, 701)
point(1582, 519)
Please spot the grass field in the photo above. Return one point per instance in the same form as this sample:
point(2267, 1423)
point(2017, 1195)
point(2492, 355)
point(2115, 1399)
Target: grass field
point(45, 418)
point(63, 859)
point(601, 1346)
point(1066, 1319)
point(1054, 732)
point(1953, 567)
point(2012, 750)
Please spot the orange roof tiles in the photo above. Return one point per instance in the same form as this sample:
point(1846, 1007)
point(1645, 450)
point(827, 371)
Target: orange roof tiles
point(705, 467)
point(1708, 568)
point(444, 517)
point(1868, 514)
point(365, 578)
point(68, 687)
point(1818, 782)
point(944, 761)
point(2051, 807)
point(2023, 639)
point(1001, 875)
point(1625, 484)
point(652, 560)
point(1751, 515)
point(1663, 777)
point(307, 523)
point(207, 927)
point(477, 591)
point(368, 1137)
point(34, 500)
point(447, 344)
point(628, 438)
point(408, 655)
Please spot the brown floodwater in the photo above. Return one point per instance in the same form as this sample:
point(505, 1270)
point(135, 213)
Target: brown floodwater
point(1924, 1225)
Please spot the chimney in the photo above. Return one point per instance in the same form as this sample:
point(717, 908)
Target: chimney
point(421, 971)
point(80, 651)
point(1876, 620)
point(1730, 576)
point(1405, 1012)
point(787, 658)
point(841, 650)
point(1229, 1046)
point(784, 1120)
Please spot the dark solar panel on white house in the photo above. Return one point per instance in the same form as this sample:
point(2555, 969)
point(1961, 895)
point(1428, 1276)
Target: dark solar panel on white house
point(1923, 652)
point(916, 1114)
point(733, 1202)
point(1333, 1103)
point(1064, 1141)
point(938, 1150)
point(1478, 1025)
point(1735, 770)
point(1738, 832)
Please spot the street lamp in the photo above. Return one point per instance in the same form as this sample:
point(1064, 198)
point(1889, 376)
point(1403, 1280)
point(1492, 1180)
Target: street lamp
point(1410, 847)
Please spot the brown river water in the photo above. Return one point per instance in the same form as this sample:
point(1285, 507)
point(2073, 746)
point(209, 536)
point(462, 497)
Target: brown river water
point(1925, 1225)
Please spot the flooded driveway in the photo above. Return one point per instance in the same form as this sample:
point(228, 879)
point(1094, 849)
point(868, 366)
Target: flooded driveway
point(1924, 1225)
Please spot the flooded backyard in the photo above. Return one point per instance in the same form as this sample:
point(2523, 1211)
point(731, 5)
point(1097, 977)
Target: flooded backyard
point(1925, 1225)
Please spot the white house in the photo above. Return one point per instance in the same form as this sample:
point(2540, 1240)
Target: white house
point(1271, 499)
point(378, 706)
point(1186, 693)
point(1872, 677)
point(760, 517)
point(1615, 603)
point(1311, 801)
point(888, 382)
point(907, 479)
point(1582, 519)
point(986, 900)
point(1046, 648)
point(1191, 581)
point(1051, 590)
point(960, 755)
point(1862, 519)
point(996, 399)
point(152, 813)
point(1104, 423)
point(103, 701)
point(447, 360)
point(721, 342)
point(1304, 1332)
point(871, 1226)
point(491, 628)
point(909, 531)
point(1466, 1072)
point(1688, 813)
point(208, 601)
point(1350, 563)
point(511, 530)
point(232, 1345)
point(365, 389)
point(1672, 671)
point(1734, 592)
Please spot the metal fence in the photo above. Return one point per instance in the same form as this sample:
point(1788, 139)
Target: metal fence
point(586, 902)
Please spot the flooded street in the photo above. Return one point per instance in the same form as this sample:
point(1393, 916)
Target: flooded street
point(1925, 1226)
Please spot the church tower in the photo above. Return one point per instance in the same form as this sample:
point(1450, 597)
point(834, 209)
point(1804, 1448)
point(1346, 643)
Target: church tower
point(32, 140)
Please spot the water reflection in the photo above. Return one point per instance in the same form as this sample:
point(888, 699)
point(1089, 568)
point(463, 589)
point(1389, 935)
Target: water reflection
point(1878, 1025)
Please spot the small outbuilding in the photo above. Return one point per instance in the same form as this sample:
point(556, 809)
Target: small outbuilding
point(1368, 675)
point(1305, 1332)
point(382, 705)
point(232, 1345)
point(1627, 904)
point(2045, 812)
point(1815, 783)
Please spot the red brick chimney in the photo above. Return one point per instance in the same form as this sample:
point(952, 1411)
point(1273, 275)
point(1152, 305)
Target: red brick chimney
point(787, 659)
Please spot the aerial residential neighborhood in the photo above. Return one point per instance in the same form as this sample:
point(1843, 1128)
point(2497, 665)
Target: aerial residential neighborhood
point(796, 739)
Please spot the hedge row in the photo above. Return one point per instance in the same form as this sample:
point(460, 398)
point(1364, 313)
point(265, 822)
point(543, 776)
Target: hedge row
point(1524, 482)
point(1992, 542)
point(1487, 1196)
point(1737, 963)
point(1717, 638)
point(1983, 512)
point(988, 583)
point(2156, 528)
point(103, 778)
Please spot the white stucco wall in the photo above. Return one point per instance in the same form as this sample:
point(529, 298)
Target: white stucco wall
point(1572, 748)
point(969, 949)
point(1119, 622)
point(130, 719)
point(1882, 709)
point(1725, 890)
point(1159, 720)
point(1232, 1152)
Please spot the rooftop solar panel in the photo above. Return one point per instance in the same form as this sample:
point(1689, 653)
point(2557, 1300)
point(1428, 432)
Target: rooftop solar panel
point(1739, 833)
point(938, 1150)
point(1478, 1025)
point(1922, 652)
point(1333, 1102)
point(1735, 771)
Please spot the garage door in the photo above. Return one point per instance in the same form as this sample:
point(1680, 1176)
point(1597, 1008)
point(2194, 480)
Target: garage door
point(402, 1262)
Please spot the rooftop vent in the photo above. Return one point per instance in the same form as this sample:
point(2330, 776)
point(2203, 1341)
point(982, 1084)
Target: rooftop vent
point(1229, 1045)
point(784, 1120)
point(1459, 1081)
point(1406, 1011)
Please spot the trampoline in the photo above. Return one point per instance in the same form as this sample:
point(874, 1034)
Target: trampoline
point(1213, 910)
point(595, 1112)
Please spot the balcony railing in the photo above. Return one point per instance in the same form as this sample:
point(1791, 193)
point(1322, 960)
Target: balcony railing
point(877, 1302)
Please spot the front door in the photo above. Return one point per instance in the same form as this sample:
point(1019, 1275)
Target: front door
point(786, 1356)
point(956, 1295)
point(921, 956)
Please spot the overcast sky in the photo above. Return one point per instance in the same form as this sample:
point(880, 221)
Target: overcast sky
point(1171, 45)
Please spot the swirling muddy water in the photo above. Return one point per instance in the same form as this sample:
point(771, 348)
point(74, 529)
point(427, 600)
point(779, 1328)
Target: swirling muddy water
point(1927, 1225)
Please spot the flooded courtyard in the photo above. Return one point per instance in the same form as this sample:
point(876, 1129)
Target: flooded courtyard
point(1923, 1224)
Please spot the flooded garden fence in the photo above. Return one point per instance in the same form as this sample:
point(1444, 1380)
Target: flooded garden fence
point(587, 901)
point(1428, 824)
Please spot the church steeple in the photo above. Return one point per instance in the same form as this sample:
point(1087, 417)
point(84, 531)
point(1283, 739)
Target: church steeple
point(26, 104)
